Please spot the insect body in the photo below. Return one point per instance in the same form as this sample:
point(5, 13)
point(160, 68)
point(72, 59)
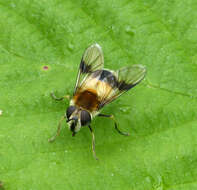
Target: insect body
point(96, 87)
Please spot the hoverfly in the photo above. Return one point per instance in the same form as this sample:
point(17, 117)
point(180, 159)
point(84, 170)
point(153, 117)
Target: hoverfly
point(96, 87)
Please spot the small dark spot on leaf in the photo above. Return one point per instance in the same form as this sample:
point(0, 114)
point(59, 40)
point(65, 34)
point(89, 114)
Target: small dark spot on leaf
point(45, 67)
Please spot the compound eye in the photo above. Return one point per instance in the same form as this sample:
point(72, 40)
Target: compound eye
point(69, 111)
point(85, 118)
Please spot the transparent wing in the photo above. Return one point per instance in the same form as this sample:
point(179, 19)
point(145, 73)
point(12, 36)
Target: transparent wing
point(91, 61)
point(126, 78)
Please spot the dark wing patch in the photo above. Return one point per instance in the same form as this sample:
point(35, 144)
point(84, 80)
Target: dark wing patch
point(84, 68)
point(91, 61)
point(123, 86)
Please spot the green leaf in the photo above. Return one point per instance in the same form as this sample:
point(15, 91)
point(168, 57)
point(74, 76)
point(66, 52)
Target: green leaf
point(160, 113)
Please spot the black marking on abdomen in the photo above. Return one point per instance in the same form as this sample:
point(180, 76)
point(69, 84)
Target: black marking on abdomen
point(106, 76)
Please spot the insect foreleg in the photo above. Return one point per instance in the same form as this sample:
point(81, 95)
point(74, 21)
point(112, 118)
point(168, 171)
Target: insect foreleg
point(58, 130)
point(115, 124)
point(59, 99)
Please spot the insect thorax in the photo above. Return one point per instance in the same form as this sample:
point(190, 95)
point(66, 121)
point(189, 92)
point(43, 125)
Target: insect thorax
point(87, 99)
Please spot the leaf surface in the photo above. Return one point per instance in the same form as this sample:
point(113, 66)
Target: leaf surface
point(160, 113)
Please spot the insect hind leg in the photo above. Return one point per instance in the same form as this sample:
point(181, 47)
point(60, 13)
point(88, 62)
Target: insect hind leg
point(93, 142)
point(115, 124)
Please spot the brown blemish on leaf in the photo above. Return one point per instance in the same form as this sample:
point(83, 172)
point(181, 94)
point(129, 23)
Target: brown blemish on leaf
point(45, 67)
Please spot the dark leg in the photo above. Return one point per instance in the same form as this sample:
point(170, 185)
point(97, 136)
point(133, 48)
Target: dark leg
point(115, 124)
point(1, 185)
point(58, 130)
point(59, 99)
point(93, 142)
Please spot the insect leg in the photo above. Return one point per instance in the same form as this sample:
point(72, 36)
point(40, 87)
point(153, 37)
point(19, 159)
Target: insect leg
point(58, 130)
point(1, 185)
point(115, 123)
point(93, 142)
point(59, 99)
